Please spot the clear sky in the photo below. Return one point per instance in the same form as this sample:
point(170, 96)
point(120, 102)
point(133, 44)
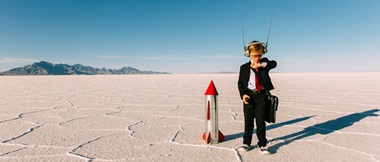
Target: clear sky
point(191, 36)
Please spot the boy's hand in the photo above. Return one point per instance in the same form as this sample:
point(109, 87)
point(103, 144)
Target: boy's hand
point(256, 65)
point(245, 97)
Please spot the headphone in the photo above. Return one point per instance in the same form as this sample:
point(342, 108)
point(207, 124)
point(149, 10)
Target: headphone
point(246, 48)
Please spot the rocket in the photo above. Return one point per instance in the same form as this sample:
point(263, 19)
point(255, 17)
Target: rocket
point(212, 134)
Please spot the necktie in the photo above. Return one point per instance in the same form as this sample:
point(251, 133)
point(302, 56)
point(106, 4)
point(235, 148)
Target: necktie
point(259, 87)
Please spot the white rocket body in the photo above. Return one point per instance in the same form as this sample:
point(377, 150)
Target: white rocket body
point(212, 134)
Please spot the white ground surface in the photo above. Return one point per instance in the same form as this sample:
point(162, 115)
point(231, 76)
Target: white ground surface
point(321, 117)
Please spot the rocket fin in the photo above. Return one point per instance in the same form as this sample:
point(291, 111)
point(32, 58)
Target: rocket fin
point(206, 137)
point(221, 137)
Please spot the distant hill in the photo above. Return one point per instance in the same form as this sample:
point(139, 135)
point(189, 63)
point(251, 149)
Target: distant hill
point(47, 68)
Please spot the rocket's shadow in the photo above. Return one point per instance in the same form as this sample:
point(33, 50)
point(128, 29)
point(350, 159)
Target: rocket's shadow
point(269, 127)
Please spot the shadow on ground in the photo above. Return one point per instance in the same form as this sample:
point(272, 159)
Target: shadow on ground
point(323, 128)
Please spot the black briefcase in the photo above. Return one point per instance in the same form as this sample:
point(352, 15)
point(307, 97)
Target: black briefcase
point(272, 105)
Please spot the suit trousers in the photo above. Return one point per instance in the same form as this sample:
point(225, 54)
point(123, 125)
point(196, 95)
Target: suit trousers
point(255, 109)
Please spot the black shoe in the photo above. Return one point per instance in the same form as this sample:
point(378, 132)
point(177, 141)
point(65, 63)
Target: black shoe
point(244, 147)
point(264, 150)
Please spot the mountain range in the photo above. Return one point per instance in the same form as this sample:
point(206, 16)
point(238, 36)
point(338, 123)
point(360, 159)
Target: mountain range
point(47, 68)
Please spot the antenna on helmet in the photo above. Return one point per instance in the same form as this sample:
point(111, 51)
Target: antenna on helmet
point(270, 27)
point(265, 50)
point(242, 33)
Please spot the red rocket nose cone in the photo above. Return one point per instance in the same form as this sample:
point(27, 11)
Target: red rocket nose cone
point(211, 90)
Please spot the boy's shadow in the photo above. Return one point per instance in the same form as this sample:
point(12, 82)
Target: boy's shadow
point(323, 128)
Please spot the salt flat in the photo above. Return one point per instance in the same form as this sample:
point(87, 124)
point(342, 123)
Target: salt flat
point(321, 117)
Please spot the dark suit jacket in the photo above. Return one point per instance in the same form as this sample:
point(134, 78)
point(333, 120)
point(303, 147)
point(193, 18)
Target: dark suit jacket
point(263, 74)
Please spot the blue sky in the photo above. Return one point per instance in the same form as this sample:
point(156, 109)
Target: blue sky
point(191, 36)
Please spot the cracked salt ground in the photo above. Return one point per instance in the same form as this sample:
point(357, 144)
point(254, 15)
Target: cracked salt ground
point(161, 118)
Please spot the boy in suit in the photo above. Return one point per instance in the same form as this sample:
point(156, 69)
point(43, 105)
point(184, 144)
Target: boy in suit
point(252, 92)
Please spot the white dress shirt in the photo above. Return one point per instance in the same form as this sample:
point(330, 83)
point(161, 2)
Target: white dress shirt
point(252, 78)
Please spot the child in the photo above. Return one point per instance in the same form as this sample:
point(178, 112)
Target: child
point(252, 92)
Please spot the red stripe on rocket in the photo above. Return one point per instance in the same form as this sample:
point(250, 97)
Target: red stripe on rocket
point(212, 133)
